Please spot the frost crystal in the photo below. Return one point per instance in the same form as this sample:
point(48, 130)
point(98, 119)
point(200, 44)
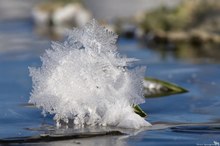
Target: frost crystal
point(85, 81)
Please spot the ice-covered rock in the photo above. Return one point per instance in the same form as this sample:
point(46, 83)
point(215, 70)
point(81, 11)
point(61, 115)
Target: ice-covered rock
point(72, 14)
point(58, 15)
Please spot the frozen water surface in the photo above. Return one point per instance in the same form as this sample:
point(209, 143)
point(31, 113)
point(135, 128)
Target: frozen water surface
point(184, 119)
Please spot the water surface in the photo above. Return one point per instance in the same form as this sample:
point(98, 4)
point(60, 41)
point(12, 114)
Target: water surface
point(184, 119)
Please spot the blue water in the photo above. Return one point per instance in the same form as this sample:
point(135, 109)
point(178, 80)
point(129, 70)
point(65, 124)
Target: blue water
point(185, 119)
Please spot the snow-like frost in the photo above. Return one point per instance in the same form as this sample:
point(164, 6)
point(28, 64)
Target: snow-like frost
point(85, 81)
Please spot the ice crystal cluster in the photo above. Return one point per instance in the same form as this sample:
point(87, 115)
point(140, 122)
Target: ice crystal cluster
point(85, 81)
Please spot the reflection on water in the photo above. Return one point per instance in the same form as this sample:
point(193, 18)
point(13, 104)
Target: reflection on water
point(187, 113)
point(188, 52)
point(95, 141)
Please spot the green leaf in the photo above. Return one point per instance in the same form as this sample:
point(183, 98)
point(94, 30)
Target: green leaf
point(139, 111)
point(157, 88)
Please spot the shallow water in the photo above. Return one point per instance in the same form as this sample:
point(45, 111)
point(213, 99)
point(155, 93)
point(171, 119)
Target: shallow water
point(184, 119)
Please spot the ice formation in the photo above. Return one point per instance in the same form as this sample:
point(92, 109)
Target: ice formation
point(84, 80)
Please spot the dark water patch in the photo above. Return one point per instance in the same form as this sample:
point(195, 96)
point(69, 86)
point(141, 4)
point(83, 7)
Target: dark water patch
point(203, 129)
point(57, 137)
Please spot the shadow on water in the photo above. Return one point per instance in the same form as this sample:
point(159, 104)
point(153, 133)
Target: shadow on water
point(191, 52)
point(184, 119)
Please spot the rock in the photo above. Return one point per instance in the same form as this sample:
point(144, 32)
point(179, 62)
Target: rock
point(40, 17)
point(42, 13)
point(55, 14)
point(195, 21)
point(52, 19)
point(196, 37)
point(71, 14)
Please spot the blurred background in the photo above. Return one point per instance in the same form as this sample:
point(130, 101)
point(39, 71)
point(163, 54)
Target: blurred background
point(177, 40)
point(187, 29)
